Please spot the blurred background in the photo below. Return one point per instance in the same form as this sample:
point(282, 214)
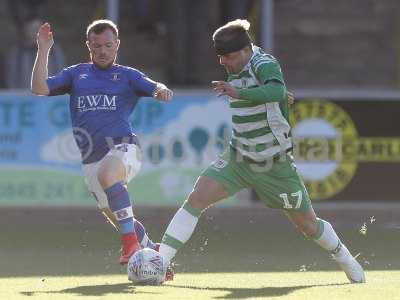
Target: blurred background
point(320, 44)
point(342, 61)
point(340, 58)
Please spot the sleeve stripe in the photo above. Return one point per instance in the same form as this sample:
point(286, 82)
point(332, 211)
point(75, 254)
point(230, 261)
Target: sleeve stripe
point(262, 60)
point(259, 63)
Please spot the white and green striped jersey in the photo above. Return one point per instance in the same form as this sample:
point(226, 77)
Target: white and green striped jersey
point(260, 130)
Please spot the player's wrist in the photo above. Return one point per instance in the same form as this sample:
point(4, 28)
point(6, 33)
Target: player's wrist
point(159, 87)
point(236, 92)
point(43, 50)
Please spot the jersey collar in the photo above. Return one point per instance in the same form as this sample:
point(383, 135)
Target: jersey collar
point(97, 69)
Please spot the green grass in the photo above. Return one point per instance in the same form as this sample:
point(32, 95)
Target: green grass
point(277, 285)
point(72, 254)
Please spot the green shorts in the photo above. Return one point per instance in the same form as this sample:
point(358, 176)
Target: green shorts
point(276, 183)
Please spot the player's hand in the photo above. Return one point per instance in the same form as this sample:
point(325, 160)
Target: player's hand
point(163, 93)
point(45, 37)
point(290, 98)
point(224, 88)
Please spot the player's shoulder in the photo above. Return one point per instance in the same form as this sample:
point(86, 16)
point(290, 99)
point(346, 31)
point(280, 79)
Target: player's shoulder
point(260, 57)
point(78, 68)
point(128, 70)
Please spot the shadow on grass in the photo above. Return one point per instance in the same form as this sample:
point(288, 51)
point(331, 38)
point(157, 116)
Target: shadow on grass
point(244, 293)
point(93, 290)
point(128, 288)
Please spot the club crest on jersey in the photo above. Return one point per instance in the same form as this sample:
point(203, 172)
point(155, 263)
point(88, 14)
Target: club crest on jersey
point(115, 76)
point(220, 164)
point(83, 76)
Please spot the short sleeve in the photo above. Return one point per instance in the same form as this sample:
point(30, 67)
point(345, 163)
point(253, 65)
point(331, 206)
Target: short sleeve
point(141, 84)
point(61, 83)
point(267, 69)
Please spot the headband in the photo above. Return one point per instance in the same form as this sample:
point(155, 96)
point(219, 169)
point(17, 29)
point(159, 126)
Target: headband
point(238, 43)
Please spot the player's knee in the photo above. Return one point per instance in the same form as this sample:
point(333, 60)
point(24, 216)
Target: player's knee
point(111, 171)
point(107, 179)
point(198, 200)
point(308, 228)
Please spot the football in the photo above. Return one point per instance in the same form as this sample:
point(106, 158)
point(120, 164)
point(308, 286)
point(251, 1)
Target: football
point(146, 267)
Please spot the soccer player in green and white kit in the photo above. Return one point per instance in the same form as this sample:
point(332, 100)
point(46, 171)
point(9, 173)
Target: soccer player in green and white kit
point(259, 156)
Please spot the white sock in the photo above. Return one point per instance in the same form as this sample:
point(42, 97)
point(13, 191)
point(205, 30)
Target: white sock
point(327, 238)
point(179, 230)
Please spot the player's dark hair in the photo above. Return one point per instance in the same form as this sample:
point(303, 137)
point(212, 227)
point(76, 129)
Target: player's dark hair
point(99, 26)
point(232, 37)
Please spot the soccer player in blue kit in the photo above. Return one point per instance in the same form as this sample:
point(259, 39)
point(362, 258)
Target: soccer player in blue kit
point(103, 95)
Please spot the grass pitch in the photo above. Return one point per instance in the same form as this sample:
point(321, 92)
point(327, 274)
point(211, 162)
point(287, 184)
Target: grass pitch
point(275, 285)
point(72, 254)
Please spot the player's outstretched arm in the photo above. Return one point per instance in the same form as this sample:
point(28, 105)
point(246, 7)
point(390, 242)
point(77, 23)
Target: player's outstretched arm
point(224, 88)
point(40, 72)
point(163, 93)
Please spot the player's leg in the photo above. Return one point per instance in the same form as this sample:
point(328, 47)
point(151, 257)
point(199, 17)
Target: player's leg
point(91, 178)
point(111, 176)
point(141, 233)
point(206, 192)
point(116, 169)
point(216, 183)
point(325, 236)
point(281, 187)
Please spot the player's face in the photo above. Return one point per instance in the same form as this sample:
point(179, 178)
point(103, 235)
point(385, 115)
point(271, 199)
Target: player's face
point(234, 62)
point(103, 48)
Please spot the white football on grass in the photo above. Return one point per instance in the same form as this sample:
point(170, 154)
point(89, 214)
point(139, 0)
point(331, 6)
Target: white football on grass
point(146, 267)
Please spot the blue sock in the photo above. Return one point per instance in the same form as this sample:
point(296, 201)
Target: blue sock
point(120, 205)
point(142, 236)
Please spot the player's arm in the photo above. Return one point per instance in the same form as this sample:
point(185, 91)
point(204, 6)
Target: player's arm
point(272, 89)
point(40, 71)
point(148, 87)
point(162, 92)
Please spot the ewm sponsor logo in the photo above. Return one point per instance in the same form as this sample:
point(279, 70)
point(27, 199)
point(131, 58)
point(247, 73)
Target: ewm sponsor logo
point(96, 102)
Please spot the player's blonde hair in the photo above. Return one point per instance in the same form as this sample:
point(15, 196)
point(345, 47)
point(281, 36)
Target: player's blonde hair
point(239, 23)
point(230, 29)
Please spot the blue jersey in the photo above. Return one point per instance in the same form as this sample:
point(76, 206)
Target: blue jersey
point(101, 101)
